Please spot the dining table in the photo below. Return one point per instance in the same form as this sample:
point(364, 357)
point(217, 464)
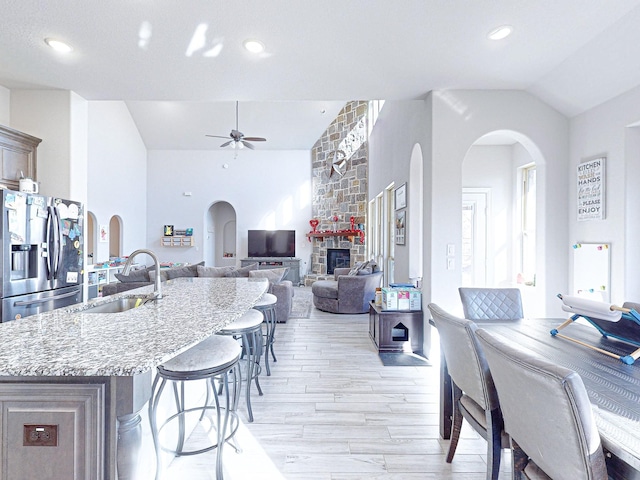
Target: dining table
point(613, 386)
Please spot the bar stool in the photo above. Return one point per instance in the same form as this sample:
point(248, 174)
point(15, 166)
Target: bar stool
point(249, 329)
point(217, 357)
point(267, 305)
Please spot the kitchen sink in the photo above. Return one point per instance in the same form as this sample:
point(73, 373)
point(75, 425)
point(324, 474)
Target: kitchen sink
point(117, 306)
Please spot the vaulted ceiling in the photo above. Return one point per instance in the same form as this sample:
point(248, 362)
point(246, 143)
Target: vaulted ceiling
point(180, 65)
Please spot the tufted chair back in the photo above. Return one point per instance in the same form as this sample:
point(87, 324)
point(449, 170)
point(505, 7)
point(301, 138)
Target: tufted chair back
point(491, 303)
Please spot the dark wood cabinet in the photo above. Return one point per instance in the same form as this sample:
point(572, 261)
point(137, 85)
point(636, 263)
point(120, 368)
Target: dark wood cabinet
point(396, 330)
point(17, 156)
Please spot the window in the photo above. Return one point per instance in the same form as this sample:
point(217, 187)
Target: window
point(374, 110)
point(528, 226)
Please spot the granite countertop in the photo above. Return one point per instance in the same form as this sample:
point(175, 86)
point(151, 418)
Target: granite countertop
point(72, 342)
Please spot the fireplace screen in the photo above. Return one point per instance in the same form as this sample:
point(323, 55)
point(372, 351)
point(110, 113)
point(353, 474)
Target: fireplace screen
point(338, 258)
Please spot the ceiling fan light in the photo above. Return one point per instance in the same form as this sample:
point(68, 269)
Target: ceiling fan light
point(254, 46)
point(501, 32)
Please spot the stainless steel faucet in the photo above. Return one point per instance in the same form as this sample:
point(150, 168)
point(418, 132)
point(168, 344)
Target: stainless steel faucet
point(157, 294)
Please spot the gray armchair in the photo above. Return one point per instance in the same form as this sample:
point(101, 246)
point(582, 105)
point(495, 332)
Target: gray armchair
point(346, 293)
point(547, 414)
point(491, 303)
point(474, 395)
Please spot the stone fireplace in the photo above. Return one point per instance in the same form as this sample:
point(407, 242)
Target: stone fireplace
point(339, 175)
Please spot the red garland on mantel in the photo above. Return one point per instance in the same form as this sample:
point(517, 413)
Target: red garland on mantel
point(340, 233)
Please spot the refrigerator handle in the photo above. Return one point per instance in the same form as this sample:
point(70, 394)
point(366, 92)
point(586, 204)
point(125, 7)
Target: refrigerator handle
point(50, 219)
point(58, 240)
point(25, 303)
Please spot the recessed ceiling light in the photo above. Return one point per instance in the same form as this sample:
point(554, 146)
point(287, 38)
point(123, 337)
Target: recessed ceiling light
point(501, 32)
point(254, 46)
point(58, 45)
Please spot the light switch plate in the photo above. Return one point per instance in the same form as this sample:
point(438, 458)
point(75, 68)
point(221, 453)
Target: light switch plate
point(451, 250)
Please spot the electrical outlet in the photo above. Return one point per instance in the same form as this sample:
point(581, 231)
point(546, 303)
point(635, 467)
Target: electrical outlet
point(40, 436)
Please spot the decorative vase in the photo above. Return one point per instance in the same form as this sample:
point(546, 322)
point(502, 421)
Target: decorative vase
point(335, 219)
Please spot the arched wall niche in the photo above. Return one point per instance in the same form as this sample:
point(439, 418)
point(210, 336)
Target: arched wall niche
point(221, 235)
point(416, 214)
point(91, 238)
point(115, 236)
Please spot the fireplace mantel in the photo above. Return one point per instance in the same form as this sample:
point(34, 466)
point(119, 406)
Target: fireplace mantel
point(340, 233)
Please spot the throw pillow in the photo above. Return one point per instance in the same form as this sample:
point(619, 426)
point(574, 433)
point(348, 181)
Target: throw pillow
point(140, 275)
point(357, 268)
point(274, 275)
point(188, 271)
point(243, 271)
point(367, 269)
point(163, 275)
point(213, 272)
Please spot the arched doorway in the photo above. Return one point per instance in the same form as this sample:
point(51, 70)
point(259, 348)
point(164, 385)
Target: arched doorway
point(221, 235)
point(500, 192)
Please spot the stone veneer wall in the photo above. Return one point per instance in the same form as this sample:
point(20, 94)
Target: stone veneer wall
point(344, 196)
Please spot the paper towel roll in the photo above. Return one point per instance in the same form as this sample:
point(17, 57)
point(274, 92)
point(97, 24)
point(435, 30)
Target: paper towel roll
point(590, 308)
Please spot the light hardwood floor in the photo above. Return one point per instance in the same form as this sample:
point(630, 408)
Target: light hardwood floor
point(332, 411)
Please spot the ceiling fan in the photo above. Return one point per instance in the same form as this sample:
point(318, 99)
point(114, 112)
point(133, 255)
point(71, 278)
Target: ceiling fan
point(237, 138)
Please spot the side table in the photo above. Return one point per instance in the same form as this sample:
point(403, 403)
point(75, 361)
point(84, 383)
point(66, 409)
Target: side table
point(396, 330)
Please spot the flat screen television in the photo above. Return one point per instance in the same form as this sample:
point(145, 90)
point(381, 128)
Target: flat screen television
point(272, 243)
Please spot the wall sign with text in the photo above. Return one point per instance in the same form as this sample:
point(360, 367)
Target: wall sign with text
point(591, 190)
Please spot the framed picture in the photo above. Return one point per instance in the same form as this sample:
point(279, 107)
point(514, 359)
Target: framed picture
point(401, 196)
point(591, 189)
point(168, 230)
point(401, 227)
point(104, 233)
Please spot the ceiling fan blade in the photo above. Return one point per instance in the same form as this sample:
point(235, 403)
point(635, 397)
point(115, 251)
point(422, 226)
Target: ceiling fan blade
point(215, 136)
point(255, 139)
point(226, 143)
point(247, 144)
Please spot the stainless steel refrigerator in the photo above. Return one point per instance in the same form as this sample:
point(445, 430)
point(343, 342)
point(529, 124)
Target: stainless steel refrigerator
point(42, 260)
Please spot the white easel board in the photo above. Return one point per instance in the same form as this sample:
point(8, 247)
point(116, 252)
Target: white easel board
point(591, 270)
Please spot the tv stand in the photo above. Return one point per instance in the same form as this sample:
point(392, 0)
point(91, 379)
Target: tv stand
point(266, 263)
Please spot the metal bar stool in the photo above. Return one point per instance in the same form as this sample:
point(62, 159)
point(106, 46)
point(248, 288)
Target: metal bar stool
point(267, 305)
point(249, 329)
point(216, 358)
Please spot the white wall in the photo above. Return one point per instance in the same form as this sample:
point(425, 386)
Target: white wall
point(117, 175)
point(5, 106)
point(459, 119)
point(400, 126)
point(267, 189)
point(58, 117)
point(611, 130)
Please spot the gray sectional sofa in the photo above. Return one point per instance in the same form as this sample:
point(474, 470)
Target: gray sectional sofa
point(282, 289)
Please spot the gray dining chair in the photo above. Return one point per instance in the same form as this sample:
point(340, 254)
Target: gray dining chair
point(491, 303)
point(474, 395)
point(547, 415)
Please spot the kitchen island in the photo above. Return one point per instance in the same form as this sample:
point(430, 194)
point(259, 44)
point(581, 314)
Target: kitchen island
point(93, 371)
